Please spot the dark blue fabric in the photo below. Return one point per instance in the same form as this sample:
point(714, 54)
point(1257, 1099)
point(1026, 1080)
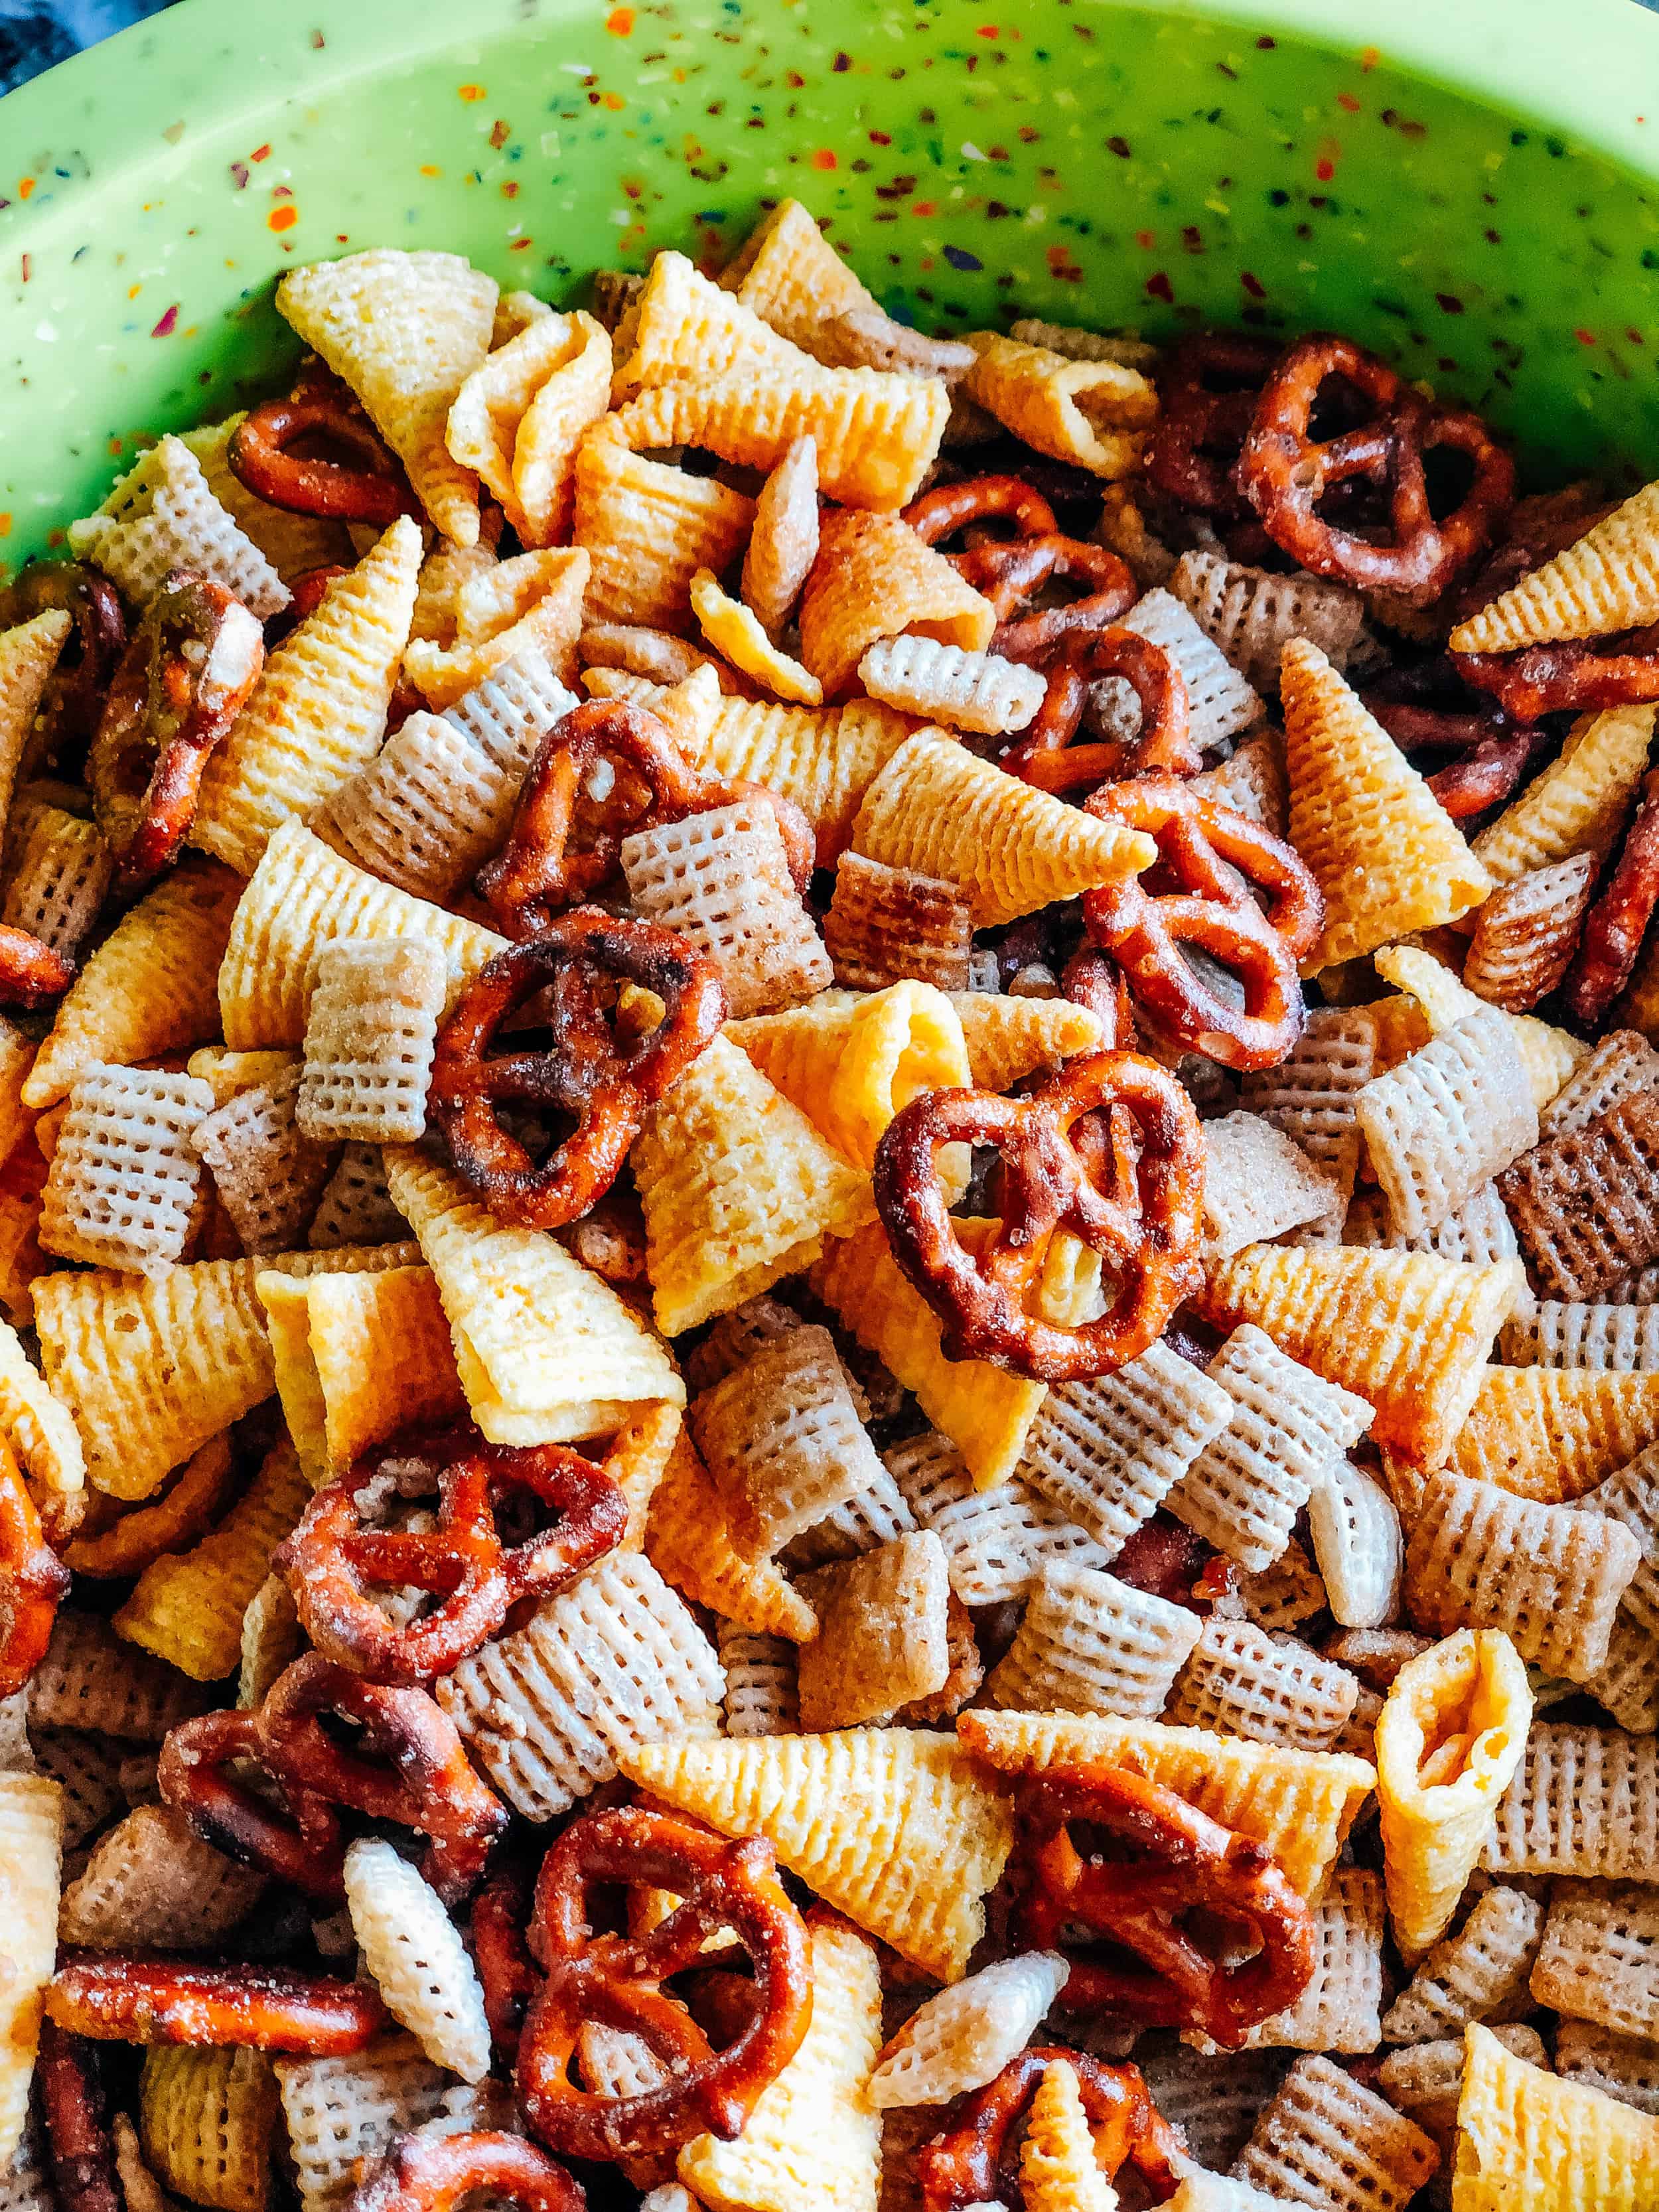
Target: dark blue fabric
point(35, 34)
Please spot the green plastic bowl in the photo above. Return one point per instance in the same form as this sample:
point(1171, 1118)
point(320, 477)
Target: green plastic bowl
point(1479, 198)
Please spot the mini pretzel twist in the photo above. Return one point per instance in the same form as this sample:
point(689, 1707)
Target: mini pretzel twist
point(34, 1580)
point(433, 2173)
point(975, 2159)
point(1576, 676)
point(617, 1981)
point(1214, 857)
point(333, 1563)
point(1007, 573)
point(595, 748)
point(320, 412)
point(184, 677)
point(1046, 755)
point(410, 1766)
point(1144, 1225)
point(587, 1071)
point(115, 1997)
point(1285, 471)
point(1189, 1863)
point(1207, 393)
point(76, 691)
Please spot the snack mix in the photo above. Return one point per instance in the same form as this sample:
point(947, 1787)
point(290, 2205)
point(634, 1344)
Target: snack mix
point(830, 1206)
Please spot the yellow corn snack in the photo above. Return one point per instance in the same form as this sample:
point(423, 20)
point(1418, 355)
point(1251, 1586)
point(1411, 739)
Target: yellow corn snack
point(405, 331)
point(1451, 1734)
point(1410, 1333)
point(647, 530)
point(1607, 580)
point(1095, 413)
point(1554, 1433)
point(1008, 1039)
point(149, 988)
point(357, 1358)
point(303, 894)
point(1548, 1055)
point(813, 2142)
point(636, 1459)
point(1299, 1805)
point(1578, 803)
point(1388, 856)
point(738, 1187)
point(851, 1060)
point(684, 324)
point(318, 712)
point(823, 758)
point(1525, 2138)
point(187, 1607)
point(151, 1369)
point(688, 1540)
point(873, 577)
point(31, 1831)
point(207, 2117)
point(21, 1260)
point(898, 1829)
point(732, 629)
point(28, 654)
point(1012, 848)
point(985, 1410)
point(877, 434)
point(516, 421)
point(791, 276)
point(42, 1438)
point(1059, 2171)
point(532, 603)
point(547, 1353)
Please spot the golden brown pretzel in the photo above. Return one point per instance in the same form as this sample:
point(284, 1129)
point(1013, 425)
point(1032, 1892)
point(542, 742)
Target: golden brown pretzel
point(113, 1997)
point(974, 2160)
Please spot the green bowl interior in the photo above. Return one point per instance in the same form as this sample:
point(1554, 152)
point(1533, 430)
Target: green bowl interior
point(1092, 163)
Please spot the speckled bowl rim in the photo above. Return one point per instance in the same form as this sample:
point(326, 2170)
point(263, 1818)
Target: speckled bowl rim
point(1507, 53)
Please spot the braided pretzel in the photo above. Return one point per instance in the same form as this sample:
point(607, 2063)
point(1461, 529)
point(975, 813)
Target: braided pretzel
point(421, 1779)
point(114, 1998)
point(1207, 393)
point(1190, 1864)
point(1575, 677)
point(1144, 1227)
point(74, 697)
point(1204, 848)
point(1007, 573)
point(425, 2173)
point(333, 1563)
point(975, 2160)
point(34, 1580)
point(320, 410)
point(617, 1981)
point(536, 875)
point(586, 1072)
point(1285, 472)
point(184, 677)
point(1046, 756)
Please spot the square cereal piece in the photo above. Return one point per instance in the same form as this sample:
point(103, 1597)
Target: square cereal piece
point(996, 1541)
point(783, 1441)
point(370, 1032)
point(721, 879)
point(356, 1207)
point(1106, 1451)
point(1479, 1973)
point(761, 1691)
point(1586, 1205)
point(1617, 2065)
point(1583, 1802)
point(1328, 2142)
point(162, 516)
point(122, 1187)
point(1310, 1094)
point(1223, 701)
point(613, 1661)
point(1598, 1960)
point(59, 871)
point(267, 1173)
point(1338, 2009)
point(1258, 1183)
point(1251, 613)
point(1623, 1063)
point(881, 1639)
point(1090, 1643)
point(887, 924)
point(1445, 1121)
point(1242, 1680)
